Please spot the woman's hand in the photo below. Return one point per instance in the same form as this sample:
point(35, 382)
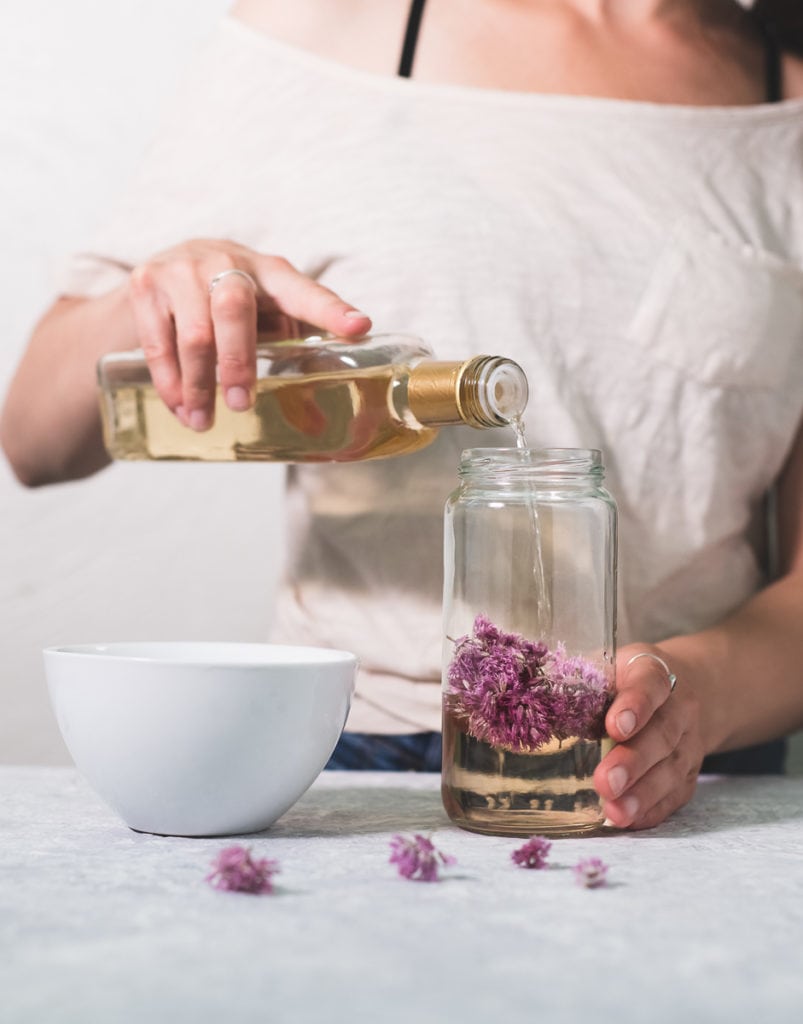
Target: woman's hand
point(652, 770)
point(50, 425)
point(191, 334)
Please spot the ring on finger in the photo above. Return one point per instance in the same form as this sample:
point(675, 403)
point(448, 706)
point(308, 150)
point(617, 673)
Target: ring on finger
point(215, 281)
point(670, 675)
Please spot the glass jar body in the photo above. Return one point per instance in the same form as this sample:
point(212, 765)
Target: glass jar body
point(529, 640)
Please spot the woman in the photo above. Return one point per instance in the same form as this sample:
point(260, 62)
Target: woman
point(609, 193)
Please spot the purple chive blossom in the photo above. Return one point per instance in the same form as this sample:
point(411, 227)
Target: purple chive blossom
point(517, 694)
point(590, 872)
point(533, 854)
point(235, 870)
point(417, 858)
point(580, 695)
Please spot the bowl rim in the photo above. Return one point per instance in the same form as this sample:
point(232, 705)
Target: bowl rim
point(196, 653)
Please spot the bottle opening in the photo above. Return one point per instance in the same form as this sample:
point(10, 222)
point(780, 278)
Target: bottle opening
point(492, 391)
point(506, 391)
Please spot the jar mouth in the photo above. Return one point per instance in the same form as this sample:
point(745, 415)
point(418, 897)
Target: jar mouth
point(579, 460)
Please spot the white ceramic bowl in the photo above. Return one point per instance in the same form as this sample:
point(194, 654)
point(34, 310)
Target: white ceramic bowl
point(199, 739)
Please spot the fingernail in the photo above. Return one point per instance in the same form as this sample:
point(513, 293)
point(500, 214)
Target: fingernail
point(630, 807)
point(198, 419)
point(181, 414)
point(617, 779)
point(355, 314)
point(625, 722)
point(238, 399)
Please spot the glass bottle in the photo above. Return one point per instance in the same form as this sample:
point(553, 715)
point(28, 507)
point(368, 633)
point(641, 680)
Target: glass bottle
point(316, 400)
point(530, 632)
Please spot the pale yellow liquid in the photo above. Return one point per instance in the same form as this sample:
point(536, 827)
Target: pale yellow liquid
point(548, 792)
point(331, 417)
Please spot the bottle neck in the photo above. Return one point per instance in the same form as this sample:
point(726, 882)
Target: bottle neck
point(485, 391)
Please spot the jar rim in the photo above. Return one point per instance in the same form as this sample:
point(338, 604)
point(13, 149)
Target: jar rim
point(583, 460)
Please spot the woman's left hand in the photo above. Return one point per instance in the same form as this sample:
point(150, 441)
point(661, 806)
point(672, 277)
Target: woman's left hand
point(652, 770)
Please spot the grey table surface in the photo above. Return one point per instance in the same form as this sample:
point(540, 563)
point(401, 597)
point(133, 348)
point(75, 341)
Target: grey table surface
point(702, 919)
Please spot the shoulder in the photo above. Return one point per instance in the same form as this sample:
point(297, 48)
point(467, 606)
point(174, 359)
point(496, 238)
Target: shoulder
point(793, 77)
point(365, 34)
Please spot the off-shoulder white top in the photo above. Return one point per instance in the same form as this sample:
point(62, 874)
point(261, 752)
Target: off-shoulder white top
point(643, 262)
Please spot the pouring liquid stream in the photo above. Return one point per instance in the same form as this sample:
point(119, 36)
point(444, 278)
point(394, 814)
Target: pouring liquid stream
point(542, 598)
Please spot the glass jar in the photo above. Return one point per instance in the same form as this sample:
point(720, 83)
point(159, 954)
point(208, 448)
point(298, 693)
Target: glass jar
point(316, 400)
point(530, 633)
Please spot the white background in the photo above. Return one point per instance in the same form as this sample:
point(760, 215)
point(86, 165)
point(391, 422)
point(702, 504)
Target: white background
point(139, 551)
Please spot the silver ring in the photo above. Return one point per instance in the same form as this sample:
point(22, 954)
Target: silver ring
point(670, 675)
point(215, 281)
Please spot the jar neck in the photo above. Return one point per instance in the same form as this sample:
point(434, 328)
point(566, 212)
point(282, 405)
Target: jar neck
point(509, 466)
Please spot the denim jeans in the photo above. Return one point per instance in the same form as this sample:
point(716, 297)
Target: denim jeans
point(417, 752)
point(764, 759)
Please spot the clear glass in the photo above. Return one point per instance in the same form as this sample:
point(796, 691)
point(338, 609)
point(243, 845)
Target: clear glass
point(529, 644)
point(316, 400)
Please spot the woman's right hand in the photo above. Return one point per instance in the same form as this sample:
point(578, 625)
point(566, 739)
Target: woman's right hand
point(193, 336)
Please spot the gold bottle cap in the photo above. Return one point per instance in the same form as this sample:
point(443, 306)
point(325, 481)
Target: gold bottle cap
point(485, 391)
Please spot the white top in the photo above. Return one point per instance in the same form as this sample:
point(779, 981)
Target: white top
point(643, 262)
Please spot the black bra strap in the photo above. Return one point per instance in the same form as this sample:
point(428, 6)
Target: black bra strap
point(411, 38)
point(773, 62)
point(773, 68)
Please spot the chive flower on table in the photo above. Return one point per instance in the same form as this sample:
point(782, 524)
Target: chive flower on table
point(235, 870)
point(418, 858)
point(518, 694)
point(590, 872)
point(533, 854)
